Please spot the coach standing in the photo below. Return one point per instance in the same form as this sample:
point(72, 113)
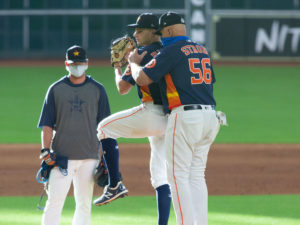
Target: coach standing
point(185, 74)
point(73, 107)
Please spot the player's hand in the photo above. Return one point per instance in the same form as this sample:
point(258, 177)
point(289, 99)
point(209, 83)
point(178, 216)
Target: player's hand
point(48, 156)
point(135, 57)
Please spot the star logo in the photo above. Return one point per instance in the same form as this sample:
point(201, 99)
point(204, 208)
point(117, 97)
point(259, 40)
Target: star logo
point(76, 104)
point(76, 53)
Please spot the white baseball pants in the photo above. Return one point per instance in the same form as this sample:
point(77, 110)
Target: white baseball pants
point(81, 173)
point(189, 135)
point(146, 120)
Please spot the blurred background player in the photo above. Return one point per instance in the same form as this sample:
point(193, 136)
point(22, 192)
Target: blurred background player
point(186, 78)
point(73, 107)
point(145, 120)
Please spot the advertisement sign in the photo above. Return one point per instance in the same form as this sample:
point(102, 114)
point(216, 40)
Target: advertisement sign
point(275, 37)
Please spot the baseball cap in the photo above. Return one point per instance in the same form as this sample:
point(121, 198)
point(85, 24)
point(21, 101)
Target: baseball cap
point(76, 54)
point(145, 20)
point(168, 19)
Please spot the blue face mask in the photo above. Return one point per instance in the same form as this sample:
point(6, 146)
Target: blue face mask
point(170, 40)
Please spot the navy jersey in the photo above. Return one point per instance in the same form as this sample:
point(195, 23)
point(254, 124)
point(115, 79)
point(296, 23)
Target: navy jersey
point(74, 111)
point(149, 92)
point(185, 74)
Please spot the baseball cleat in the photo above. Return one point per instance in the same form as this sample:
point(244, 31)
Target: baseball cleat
point(110, 194)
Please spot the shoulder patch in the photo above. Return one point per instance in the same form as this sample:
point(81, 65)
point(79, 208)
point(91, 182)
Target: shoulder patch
point(151, 64)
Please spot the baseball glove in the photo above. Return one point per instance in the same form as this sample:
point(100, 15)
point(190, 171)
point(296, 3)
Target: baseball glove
point(101, 174)
point(119, 50)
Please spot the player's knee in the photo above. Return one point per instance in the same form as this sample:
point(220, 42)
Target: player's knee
point(159, 182)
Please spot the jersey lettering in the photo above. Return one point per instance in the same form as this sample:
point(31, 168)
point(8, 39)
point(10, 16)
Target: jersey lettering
point(190, 49)
point(203, 75)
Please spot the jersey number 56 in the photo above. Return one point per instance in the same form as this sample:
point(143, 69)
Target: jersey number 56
point(201, 74)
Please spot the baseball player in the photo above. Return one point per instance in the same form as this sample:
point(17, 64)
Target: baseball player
point(73, 107)
point(145, 120)
point(185, 74)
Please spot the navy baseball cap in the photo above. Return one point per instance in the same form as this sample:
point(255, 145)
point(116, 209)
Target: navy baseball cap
point(168, 19)
point(146, 20)
point(76, 54)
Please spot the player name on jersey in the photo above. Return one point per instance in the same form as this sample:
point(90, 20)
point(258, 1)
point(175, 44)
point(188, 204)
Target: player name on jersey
point(190, 49)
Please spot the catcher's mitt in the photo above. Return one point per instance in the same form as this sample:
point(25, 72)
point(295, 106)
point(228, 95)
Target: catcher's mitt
point(101, 174)
point(120, 49)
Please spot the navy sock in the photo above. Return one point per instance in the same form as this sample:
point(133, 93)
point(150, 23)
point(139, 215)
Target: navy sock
point(163, 199)
point(111, 155)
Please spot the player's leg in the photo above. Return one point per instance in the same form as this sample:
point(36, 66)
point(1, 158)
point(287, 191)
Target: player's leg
point(83, 191)
point(141, 121)
point(115, 189)
point(159, 178)
point(138, 122)
point(198, 185)
point(58, 189)
point(110, 151)
point(179, 159)
point(201, 145)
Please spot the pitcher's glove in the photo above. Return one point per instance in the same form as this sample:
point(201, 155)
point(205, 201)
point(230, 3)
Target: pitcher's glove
point(101, 174)
point(120, 49)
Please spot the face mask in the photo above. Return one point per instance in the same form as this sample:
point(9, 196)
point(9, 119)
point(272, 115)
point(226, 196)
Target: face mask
point(170, 40)
point(77, 70)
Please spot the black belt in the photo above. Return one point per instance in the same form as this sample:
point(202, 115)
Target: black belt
point(193, 107)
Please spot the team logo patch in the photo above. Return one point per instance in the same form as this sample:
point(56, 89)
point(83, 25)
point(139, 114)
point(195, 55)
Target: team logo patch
point(76, 53)
point(151, 64)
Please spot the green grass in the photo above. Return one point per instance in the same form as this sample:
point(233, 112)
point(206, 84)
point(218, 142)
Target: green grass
point(261, 103)
point(223, 210)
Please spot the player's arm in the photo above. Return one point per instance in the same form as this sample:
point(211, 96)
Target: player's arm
point(123, 86)
point(138, 74)
point(47, 119)
point(47, 135)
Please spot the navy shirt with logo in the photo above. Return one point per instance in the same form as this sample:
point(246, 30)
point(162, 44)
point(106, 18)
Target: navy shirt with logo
point(74, 111)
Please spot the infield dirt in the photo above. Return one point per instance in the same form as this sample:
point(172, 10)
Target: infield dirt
point(232, 169)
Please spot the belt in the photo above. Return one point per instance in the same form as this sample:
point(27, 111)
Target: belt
point(193, 107)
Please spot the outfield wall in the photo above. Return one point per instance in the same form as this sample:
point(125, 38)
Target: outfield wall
point(230, 29)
